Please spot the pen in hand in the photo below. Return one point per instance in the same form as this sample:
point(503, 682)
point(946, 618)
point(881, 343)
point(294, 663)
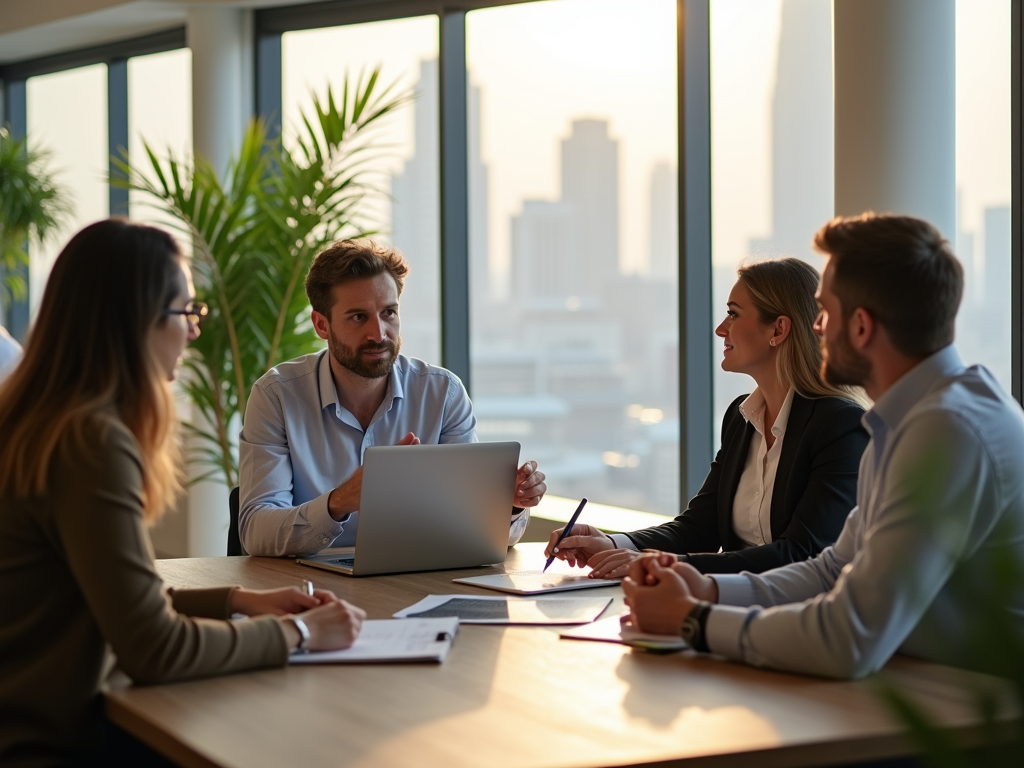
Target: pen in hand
point(307, 587)
point(565, 532)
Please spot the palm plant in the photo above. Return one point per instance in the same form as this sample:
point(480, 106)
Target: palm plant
point(31, 204)
point(253, 237)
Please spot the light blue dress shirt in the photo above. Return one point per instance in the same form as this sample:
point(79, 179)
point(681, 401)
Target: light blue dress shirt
point(298, 443)
point(940, 492)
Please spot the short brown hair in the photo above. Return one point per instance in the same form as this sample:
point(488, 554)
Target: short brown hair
point(902, 271)
point(347, 260)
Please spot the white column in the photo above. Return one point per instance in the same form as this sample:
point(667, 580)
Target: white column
point(895, 99)
point(222, 88)
point(222, 80)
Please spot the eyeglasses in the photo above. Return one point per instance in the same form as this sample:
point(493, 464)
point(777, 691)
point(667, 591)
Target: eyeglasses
point(195, 314)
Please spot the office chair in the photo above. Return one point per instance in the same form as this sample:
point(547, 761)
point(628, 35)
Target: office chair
point(234, 540)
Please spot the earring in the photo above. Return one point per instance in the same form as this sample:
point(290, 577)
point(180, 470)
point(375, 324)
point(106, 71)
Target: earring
point(772, 342)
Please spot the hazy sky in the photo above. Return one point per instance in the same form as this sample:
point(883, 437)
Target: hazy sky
point(539, 66)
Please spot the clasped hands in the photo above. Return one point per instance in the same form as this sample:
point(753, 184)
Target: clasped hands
point(332, 622)
point(661, 592)
point(529, 489)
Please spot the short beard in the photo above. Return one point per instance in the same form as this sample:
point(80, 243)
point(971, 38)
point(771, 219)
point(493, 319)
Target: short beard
point(352, 360)
point(844, 366)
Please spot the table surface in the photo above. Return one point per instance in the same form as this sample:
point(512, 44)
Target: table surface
point(519, 696)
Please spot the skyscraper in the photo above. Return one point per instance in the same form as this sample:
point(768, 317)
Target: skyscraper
point(803, 178)
point(590, 186)
point(664, 222)
point(415, 217)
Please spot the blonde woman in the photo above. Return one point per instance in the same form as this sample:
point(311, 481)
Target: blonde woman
point(88, 460)
point(785, 477)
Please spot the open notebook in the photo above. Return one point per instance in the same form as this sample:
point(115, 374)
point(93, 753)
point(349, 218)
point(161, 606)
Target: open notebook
point(391, 640)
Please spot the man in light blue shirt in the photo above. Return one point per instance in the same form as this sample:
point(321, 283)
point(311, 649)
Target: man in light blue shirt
point(308, 421)
point(940, 497)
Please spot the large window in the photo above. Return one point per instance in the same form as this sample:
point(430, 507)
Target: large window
point(983, 182)
point(573, 242)
point(406, 172)
point(772, 142)
point(160, 115)
point(67, 115)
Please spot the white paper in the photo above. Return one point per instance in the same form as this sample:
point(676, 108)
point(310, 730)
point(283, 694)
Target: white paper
point(515, 610)
point(611, 630)
point(535, 582)
point(391, 640)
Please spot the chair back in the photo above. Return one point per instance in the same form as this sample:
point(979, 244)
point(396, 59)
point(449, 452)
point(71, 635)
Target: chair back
point(234, 540)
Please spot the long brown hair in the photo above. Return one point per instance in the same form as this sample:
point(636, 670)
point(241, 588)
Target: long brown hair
point(785, 287)
point(88, 361)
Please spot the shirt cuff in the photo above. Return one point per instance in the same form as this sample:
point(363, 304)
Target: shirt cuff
point(622, 541)
point(734, 589)
point(723, 631)
point(324, 527)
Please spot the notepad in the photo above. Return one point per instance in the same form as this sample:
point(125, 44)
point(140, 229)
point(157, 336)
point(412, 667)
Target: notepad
point(535, 582)
point(382, 640)
point(611, 630)
point(484, 609)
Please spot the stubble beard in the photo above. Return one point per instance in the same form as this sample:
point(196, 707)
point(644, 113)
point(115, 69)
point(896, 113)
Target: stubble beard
point(352, 360)
point(842, 365)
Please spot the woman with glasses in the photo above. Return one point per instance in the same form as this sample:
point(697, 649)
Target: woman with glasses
point(89, 459)
point(785, 478)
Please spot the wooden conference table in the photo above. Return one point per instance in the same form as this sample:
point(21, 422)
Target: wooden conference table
point(517, 697)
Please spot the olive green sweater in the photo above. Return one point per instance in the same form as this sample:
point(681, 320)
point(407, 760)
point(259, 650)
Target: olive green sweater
point(77, 584)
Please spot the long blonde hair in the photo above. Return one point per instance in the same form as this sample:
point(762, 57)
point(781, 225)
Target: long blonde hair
point(785, 287)
point(88, 362)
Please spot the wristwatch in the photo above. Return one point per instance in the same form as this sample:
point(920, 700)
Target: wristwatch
point(303, 630)
point(692, 630)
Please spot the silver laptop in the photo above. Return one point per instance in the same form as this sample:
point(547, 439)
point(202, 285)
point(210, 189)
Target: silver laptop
point(430, 507)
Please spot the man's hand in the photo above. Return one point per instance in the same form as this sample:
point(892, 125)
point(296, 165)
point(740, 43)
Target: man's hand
point(582, 543)
point(530, 487)
point(657, 596)
point(346, 497)
point(701, 587)
point(279, 602)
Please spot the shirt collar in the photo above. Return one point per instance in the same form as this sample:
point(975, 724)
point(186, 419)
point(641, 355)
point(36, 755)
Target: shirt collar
point(752, 409)
point(329, 393)
point(893, 406)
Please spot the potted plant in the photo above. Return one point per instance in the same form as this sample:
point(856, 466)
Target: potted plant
point(253, 235)
point(32, 204)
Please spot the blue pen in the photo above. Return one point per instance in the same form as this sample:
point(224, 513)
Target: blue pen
point(565, 532)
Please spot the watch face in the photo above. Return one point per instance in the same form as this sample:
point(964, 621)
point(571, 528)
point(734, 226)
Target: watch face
point(690, 629)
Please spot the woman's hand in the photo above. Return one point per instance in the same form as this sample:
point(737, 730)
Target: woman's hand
point(582, 543)
point(612, 563)
point(332, 626)
point(279, 602)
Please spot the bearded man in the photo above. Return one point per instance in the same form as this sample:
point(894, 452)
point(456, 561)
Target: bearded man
point(923, 562)
point(309, 420)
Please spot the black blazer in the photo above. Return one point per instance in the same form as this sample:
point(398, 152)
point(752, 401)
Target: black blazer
point(815, 489)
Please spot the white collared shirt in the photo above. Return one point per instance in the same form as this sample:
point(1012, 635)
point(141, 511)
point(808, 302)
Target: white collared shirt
point(752, 504)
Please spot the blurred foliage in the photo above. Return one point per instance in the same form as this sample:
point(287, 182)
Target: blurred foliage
point(32, 205)
point(253, 237)
point(989, 639)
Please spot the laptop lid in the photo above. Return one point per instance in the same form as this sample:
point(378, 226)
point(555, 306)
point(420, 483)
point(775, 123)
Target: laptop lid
point(435, 507)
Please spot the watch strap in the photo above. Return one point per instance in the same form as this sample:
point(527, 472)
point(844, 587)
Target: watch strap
point(303, 630)
point(699, 615)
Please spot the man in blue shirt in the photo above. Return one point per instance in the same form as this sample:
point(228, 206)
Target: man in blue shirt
point(940, 495)
point(309, 420)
